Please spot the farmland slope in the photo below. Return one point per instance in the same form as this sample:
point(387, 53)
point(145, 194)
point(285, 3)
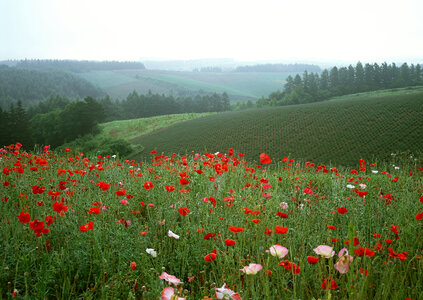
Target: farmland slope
point(240, 86)
point(339, 131)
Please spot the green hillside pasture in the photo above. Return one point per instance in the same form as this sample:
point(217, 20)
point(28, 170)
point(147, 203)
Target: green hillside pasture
point(240, 86)
point(133, 129)
point(339, 132)
point(381, 93)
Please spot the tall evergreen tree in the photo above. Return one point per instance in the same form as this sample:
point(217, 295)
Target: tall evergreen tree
point(359, 77)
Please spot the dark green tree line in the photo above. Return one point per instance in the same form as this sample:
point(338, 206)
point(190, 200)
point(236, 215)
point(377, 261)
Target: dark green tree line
point(313, 87)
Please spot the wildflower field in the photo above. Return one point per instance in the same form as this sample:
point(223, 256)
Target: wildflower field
point(208, 226)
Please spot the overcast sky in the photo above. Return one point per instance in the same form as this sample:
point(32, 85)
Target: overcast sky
point(297, 30)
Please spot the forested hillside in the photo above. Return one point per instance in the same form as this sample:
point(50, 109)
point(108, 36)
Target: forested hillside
point(78, 65)
point(29, 86)
point(314, 87)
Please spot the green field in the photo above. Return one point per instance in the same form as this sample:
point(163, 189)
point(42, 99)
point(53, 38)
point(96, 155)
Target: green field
point(239, 86)
point(335, 131)
point(133, 130)
point(381, 93)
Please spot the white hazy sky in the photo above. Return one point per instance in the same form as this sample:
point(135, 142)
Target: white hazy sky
point(300, 30)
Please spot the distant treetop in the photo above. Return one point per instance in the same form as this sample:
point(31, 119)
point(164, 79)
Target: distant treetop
point(77, 65)
point(279, 68)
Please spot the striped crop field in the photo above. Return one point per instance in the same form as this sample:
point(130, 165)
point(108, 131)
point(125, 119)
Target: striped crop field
point(334, 131)
point(238, 85)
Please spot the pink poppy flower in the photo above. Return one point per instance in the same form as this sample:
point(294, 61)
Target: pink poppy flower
point(278, 251)
point(324, 251)
point(170, 278)
point(224, 293)
point(124, 202)
point(344, 261)
point(252, 269)
point(168, 293)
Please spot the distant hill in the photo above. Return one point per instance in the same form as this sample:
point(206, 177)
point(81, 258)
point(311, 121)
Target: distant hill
point(30, 86)
point(338, 132)
point(294, 68)
point(240, 86)
point(77, 66)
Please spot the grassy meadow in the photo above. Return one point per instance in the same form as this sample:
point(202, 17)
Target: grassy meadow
point(135, 129)
point(368, 126)
point(238, 85)
point(206, 226)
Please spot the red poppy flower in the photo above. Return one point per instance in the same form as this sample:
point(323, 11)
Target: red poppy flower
point(363, 271)
point(290, 266)
point(265, 159)
point(330, 227)
point(328, 283)
point(170, 188)
point(282, 215)
point(58, 207)
point(268, 231)
point(361, 193)
point(183, 211)
point(49, 220)
point(121, 192)
point(36, 225)
point(209, 236)
point(86, 227)
point(37, 189)
point(419, 216)
point(280, 229)
point(148, 185)
point(94, 210)
point(235, 229)
point(356, 241)
point(312, 260)
point(394, 229)
point(256, 220)
point(133, 265)
point(342, 210)
point(103, 186)
point(183, 181)
point(229, 242)
point(364, 252)
point(211, 256)
point(24, 217)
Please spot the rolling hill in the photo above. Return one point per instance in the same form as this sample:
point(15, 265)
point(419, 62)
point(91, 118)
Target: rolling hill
point(327, 132)
point(240, 86)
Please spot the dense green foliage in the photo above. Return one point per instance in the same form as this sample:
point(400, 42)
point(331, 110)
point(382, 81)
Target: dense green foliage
point(92, 227)
point(99, 145)
point(314, 87)
point(29, 86)
point(292, 68)
point(54, 122)
point(338, 131)
point(78, 65)
point(57, 119)
point(149, 105)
